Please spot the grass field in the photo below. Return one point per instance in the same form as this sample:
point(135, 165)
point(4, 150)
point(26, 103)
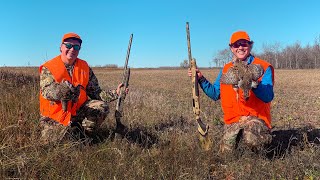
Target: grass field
point(162, 140)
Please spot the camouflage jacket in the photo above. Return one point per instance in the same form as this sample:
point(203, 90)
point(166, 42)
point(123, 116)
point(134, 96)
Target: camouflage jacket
point(49, 88)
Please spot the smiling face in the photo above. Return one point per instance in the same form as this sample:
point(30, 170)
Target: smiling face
point(68, 56)
point(241, 49)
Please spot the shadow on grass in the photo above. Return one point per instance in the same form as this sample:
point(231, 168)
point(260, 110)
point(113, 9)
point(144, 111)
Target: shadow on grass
point(138, 135)
point(284, 141)
point(141, 135)
point(179, 123)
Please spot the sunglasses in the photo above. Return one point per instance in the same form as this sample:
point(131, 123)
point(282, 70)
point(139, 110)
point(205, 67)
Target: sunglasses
point(238, 44)
point(75, 46)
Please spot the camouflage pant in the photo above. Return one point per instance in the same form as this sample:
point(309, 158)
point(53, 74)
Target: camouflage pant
point(89, 117)
point(252, 130)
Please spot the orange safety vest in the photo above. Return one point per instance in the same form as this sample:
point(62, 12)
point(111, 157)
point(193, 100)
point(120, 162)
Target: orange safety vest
point(80, 76)
point(233, 109)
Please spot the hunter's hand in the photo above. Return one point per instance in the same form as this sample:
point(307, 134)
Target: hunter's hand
point(119, 89)
point(198, 72)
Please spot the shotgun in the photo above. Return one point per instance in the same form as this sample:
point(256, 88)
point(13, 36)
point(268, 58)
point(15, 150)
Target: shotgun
point(122, 95)
point(202, 127)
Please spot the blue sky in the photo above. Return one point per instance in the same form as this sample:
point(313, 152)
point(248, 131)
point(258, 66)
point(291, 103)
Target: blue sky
point(31, 30)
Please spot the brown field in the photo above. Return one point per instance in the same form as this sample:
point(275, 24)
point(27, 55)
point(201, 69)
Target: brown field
point(162, 140)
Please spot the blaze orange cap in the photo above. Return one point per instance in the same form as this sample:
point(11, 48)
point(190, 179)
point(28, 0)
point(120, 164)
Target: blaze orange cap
point(239, 35)
point(71, 35)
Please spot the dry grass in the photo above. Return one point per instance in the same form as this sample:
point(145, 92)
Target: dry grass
point(162, 141)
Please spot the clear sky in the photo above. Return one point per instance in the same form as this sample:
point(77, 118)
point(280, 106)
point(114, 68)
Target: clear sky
point(31, 30)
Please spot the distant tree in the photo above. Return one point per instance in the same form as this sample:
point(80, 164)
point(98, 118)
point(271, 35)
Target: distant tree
point(272, 53)
point(316, 52)
point(222, 57)
point(307, 57)
point(110, 66)
point(297, 53)
point(184, 64)
point(216, 61)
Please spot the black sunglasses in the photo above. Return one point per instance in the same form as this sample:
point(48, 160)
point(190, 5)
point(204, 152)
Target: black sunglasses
point(238, 44)
point(75, 46)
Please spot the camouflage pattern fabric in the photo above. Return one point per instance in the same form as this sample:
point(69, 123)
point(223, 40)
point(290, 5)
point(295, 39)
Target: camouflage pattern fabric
point(254, 131)
point(91, 115)
point(52, 131)
point(49, 88)
point(89, 118)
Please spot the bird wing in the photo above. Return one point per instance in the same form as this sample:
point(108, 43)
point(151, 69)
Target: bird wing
point(231, 77)
point(256, 71)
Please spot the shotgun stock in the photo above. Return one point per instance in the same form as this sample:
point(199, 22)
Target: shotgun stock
point(202, 127)
point(122, 94)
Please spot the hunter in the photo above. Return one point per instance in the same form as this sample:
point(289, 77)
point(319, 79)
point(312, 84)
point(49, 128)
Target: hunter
point(246, 119)
point(70, 95)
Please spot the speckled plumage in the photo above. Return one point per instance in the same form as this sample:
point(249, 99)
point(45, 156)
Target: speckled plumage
point(243, 76)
